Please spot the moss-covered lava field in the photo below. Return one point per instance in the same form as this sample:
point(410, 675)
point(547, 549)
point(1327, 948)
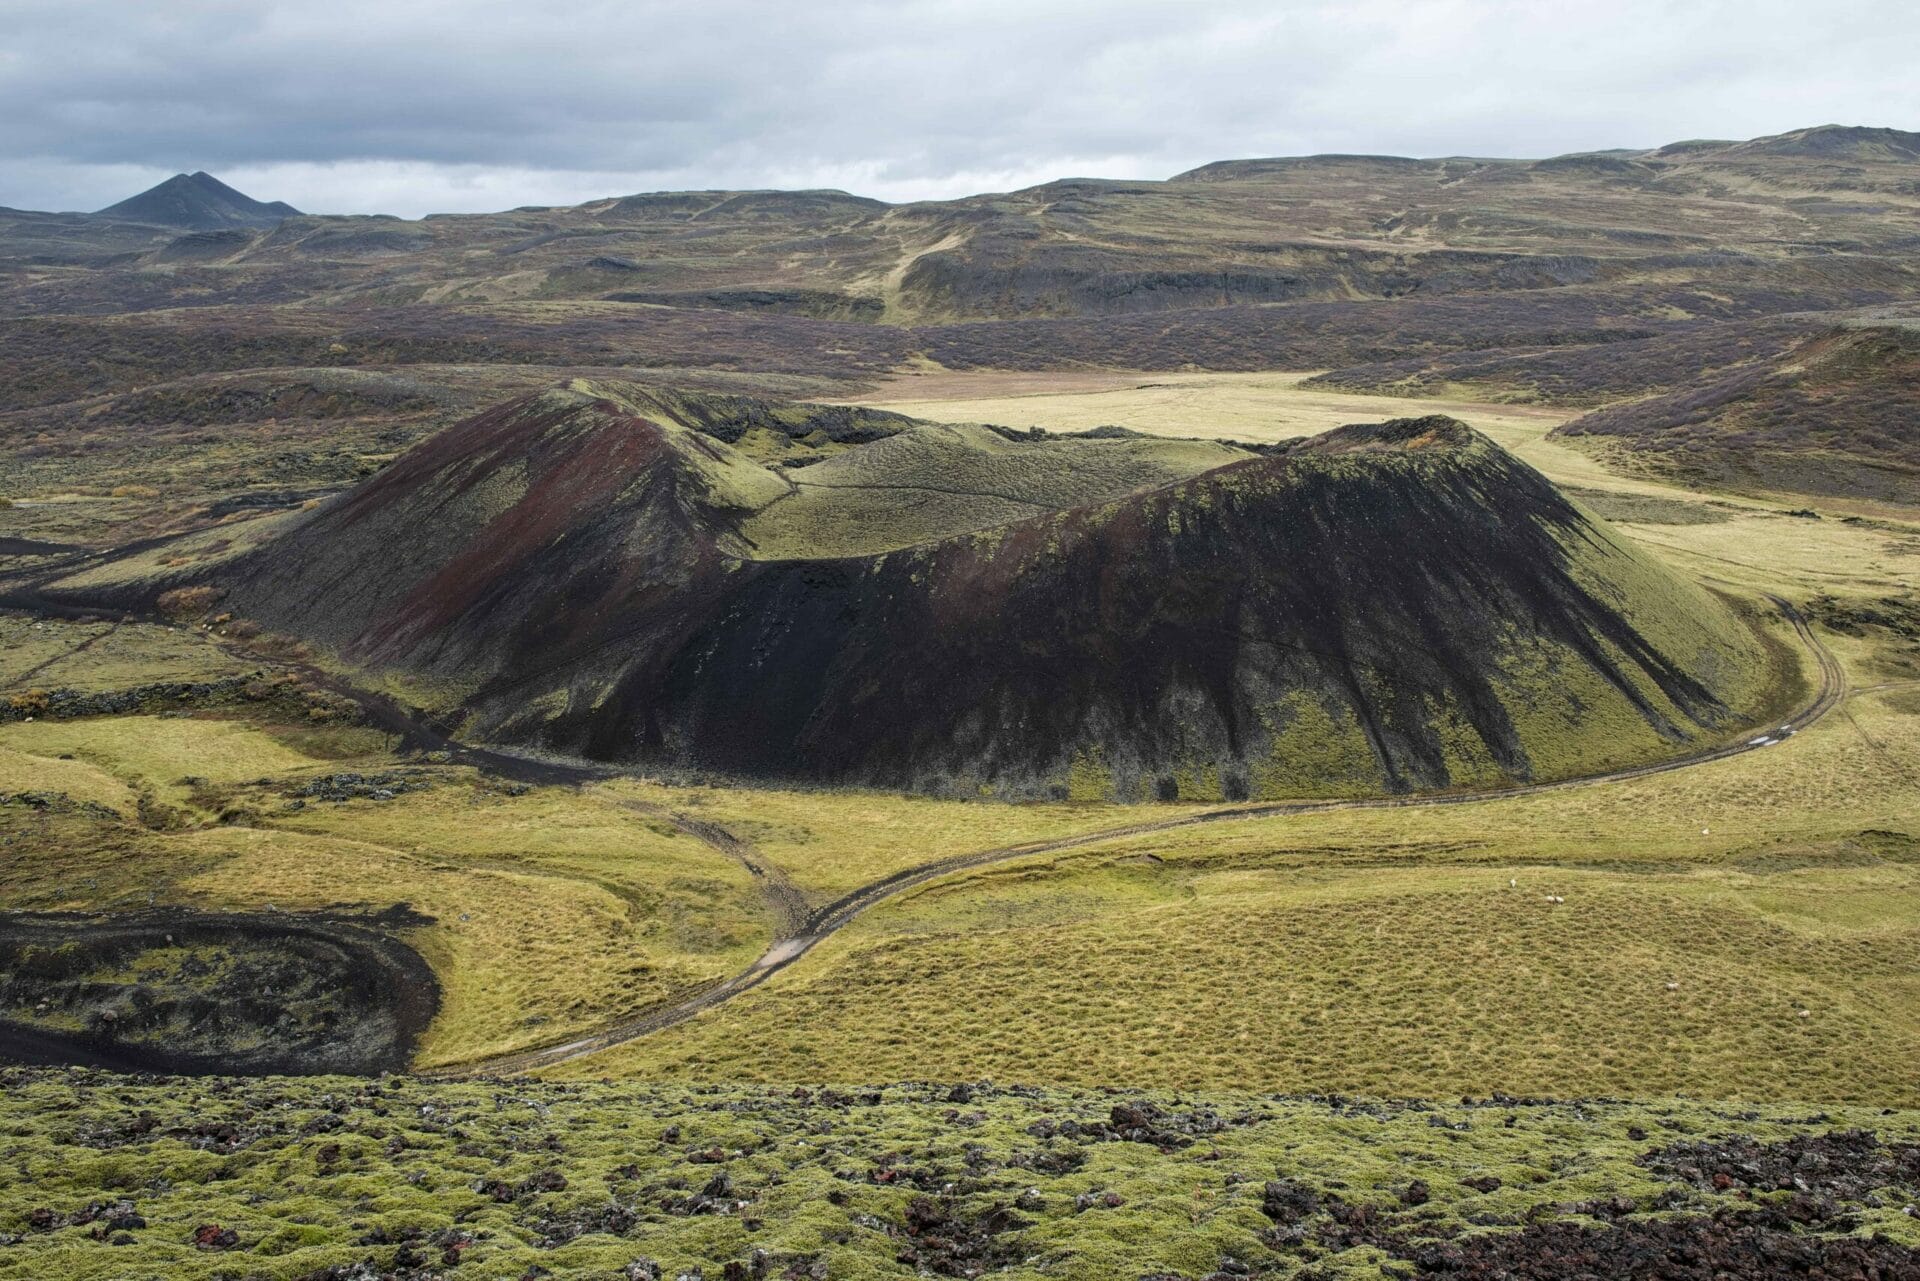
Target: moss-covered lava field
point(332, 1179)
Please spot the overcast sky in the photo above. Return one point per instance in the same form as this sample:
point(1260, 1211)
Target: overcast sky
point(416, 106)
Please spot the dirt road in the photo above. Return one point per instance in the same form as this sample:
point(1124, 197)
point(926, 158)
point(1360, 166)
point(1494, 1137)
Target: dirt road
point(822, 922)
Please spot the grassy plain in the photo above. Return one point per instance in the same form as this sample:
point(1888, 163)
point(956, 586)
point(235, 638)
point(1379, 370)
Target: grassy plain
point(1259, 408)
point(104, 655)
point(551, 907)
point(832, 842)
point(1410, 951)
point(1263, 407)
point(1402, 951)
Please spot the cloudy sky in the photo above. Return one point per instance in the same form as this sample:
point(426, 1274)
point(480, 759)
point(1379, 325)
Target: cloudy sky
point(415, 106)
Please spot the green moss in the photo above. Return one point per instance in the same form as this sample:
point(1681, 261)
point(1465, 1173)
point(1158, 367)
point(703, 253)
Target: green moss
point(1199, 782)
point(1089, 778)
point(1468, 760)
point(328, 1173)
point(1318, 749)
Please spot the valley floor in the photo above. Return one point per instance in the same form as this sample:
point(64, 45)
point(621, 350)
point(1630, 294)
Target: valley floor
point(1745, 928)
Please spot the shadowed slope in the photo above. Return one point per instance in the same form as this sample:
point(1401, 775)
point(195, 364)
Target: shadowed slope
point(1381, 608)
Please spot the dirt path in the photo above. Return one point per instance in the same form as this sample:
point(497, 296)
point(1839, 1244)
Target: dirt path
point(15, 682)
point(799, 930)
point(824, 921)
point(785, 900)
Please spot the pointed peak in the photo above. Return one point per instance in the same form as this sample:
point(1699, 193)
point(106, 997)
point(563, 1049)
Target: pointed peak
point(198, 201)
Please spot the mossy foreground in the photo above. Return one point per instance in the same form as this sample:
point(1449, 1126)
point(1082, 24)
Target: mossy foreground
point(966, 612)
point(105, 1176)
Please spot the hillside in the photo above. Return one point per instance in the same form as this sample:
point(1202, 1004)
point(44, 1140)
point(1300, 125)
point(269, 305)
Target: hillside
point(1575, 280)
point(1834, 414)
point(848, 598)
point(1809, 219)
point(198, 202)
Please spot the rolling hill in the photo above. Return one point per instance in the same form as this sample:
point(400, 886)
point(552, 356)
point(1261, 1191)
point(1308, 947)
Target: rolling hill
point(1578, 280)
point(1836, 414)
point(1814, 218)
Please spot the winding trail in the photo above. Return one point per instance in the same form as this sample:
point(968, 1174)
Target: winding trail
point(814, 927)
point(787, 901)
point(798, 930)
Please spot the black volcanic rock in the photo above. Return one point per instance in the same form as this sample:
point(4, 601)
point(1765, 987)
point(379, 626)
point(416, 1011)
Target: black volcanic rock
point(198, 202)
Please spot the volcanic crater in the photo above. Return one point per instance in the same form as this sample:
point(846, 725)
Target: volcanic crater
point(722, 587)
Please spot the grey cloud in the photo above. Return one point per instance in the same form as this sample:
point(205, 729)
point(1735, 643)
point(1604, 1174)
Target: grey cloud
point(416, 103)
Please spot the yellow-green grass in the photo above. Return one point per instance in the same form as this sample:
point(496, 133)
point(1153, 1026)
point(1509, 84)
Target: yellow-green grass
point(830, 842)
point(551, 911)
point(1766, 550)
point(81, 780)
point(1426, 982)
point(182, 557)
point(1234, 951)
point(1269, 406)
point(1745, 542)
point(678, 898)
point(51, 654)
point(1364, 950)
point(526, 951)
point(162, 752)
point(1255, 407)
point(936, 481)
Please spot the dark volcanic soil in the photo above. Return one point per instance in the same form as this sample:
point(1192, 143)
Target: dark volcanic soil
point(196, 993)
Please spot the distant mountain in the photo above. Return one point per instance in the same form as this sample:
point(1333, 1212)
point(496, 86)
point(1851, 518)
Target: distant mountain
point(198, 202)
point(1838, 142)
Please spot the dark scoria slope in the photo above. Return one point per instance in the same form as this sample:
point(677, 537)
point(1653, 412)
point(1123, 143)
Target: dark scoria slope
point(1380, 609)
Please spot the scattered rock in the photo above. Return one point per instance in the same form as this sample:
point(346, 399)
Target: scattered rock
point(211, 1236)
point(1721, 1247)
point(940, 1237)
point(383, 786)
point(1847, 1164)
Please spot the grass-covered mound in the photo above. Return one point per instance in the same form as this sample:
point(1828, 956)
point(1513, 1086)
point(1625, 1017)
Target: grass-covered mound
point(844, 597)
point(1833, 415)
point(333, 1178)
